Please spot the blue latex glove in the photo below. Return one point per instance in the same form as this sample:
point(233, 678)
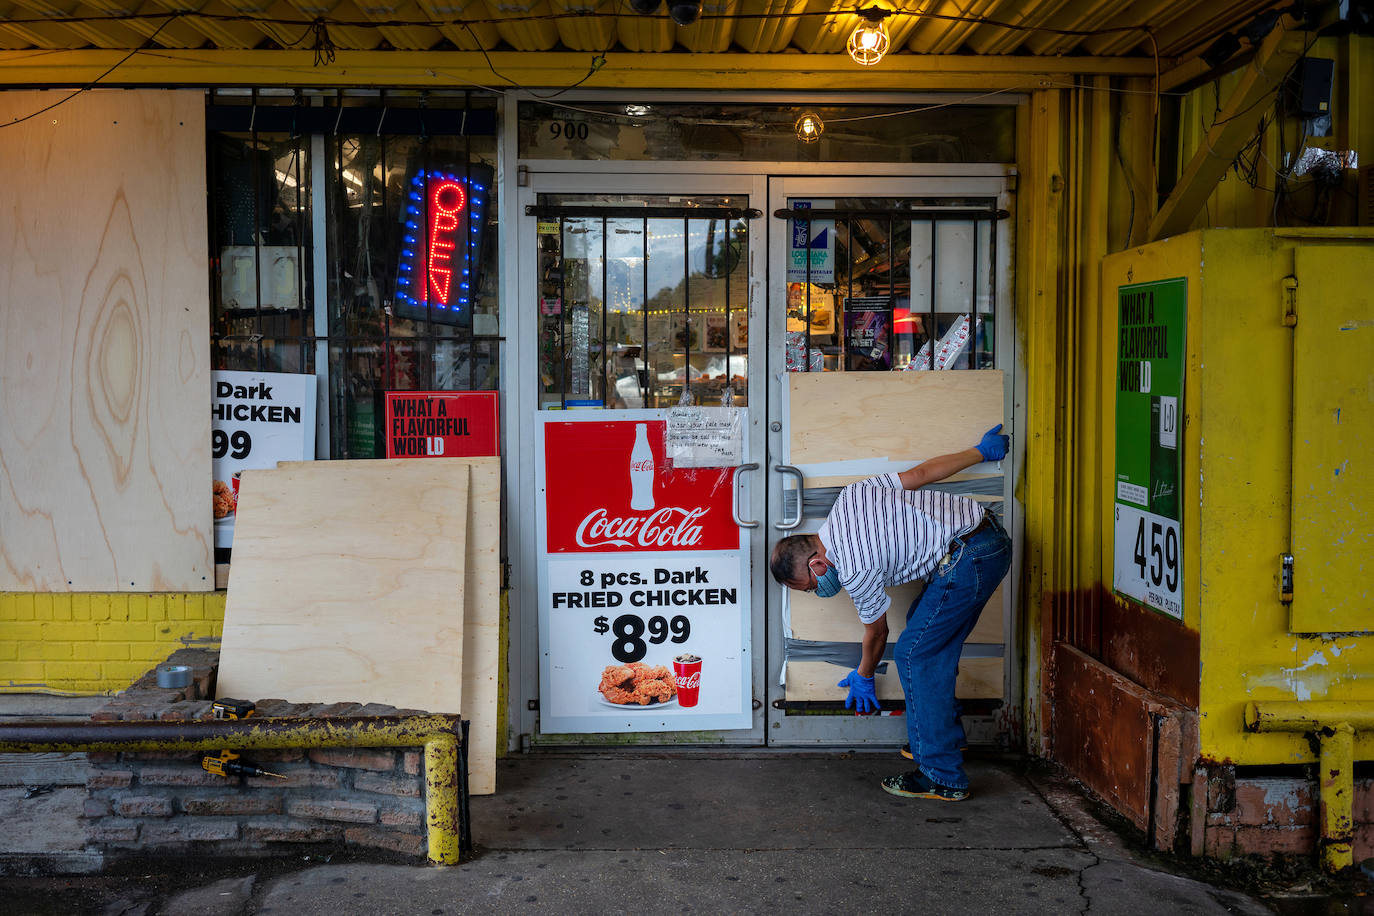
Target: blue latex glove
point(993, 446)
point(861, 696)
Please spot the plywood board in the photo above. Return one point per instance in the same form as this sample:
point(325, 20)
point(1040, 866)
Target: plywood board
point(481, 616)
point(834, 620)
point(979, 679)
point(482, 622)
point(104, 344)
point(895, 415)
point(348, 584)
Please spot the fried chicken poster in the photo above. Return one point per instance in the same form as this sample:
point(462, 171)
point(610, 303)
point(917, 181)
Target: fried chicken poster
point(644, 617)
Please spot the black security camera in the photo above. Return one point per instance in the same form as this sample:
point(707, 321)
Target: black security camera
point(684, 12)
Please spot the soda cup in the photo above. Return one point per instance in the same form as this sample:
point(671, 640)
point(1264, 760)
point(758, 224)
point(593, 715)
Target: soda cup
point(687, 669)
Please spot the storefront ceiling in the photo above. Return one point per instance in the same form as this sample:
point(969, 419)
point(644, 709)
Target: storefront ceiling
point(1050, 36)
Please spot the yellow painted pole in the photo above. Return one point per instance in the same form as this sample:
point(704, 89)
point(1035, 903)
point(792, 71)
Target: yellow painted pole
point(1337, 780)
point(1039, 207)
point(441, 799)
point(1307, 716)
point(1335, 724)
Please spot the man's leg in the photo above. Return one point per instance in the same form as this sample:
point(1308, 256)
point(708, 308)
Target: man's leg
point(927, 653)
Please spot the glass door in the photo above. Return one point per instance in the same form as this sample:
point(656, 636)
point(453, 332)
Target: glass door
point(877, 289)
point(635, 305)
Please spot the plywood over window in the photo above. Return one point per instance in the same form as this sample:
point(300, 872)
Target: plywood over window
point(104, 344)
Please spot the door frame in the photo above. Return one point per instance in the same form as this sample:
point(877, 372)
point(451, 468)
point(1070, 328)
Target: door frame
point(519, 357)
point(521, 416)
point(995, 182)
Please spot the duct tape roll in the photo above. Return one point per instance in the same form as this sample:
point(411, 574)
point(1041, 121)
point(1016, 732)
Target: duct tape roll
point(173, 676)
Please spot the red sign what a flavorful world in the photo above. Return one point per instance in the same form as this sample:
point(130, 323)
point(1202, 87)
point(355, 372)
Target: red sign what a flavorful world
point(608, 491)
point(442, 424)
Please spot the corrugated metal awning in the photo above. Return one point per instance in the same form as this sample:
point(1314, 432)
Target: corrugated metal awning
point(1172, 31)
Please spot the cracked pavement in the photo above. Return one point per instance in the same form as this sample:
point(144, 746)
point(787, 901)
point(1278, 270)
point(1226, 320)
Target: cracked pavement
point(718, 831)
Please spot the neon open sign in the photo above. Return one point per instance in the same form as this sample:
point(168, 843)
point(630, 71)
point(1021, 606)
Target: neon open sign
point(441, 247)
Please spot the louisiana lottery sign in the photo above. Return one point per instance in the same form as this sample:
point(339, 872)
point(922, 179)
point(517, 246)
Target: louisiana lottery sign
point(1147, 512)
point(644, 586)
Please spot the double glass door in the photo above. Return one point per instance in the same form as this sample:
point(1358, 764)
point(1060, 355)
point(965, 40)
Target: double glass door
point(888, 301)
point(719, 289)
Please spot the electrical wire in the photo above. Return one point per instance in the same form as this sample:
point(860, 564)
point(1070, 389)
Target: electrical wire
point(324, 48)
point(435, 22)
point(91, 85)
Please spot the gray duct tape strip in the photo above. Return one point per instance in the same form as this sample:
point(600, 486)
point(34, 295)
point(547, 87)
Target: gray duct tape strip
point(847, 654)
point(817, 501)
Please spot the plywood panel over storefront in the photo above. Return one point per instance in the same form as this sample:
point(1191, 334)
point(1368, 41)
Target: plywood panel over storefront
point(900, 416)
point(104, 344)
point(834, 620)
point(979, 679)
point(348, 584)
point(481, 614)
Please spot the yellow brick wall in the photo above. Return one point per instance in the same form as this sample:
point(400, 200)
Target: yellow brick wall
point(98, 643)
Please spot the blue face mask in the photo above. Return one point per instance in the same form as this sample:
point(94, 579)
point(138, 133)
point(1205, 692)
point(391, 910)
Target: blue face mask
point(828, 585)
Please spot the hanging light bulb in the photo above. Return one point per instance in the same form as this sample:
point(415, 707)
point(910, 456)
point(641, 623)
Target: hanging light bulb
point(869, 42)
point(809, 127)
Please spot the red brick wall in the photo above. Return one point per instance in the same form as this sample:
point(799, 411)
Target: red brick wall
point(1279, 815)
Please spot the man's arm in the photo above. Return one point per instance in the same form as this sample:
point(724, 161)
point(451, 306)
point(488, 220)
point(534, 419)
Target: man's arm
point(874, 641)
point(939, 468)
point(992, 447)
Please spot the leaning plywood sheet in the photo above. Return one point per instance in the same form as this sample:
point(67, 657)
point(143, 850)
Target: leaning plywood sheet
point(889, 417)
point(481, 616)
point(104, 344)
point(347, 584)
point(482, 622)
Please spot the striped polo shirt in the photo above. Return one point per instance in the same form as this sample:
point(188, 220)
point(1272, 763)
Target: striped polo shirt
point(879, 534)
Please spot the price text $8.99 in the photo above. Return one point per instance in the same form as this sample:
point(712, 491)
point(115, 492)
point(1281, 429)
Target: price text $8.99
point(628, 629)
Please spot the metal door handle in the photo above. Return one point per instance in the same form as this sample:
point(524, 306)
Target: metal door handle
point(734, 499)
point(785, 525)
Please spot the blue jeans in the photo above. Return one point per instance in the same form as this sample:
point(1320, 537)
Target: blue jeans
point(927, 652)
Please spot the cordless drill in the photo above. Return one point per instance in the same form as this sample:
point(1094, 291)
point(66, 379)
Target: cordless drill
point(228, 763)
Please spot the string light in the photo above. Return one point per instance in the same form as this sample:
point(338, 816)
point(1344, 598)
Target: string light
point(869, 41)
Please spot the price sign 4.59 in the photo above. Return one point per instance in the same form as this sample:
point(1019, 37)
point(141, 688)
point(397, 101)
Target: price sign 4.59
point(1148, 559)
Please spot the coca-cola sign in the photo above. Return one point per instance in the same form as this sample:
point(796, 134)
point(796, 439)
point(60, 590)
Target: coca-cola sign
point(608, 489)
point(665, 527)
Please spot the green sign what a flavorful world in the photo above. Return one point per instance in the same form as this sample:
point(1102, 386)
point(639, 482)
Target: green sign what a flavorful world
point(1150, 356)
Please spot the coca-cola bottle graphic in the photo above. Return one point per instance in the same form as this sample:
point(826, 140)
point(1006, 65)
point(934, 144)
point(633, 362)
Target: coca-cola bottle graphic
point(641, 471)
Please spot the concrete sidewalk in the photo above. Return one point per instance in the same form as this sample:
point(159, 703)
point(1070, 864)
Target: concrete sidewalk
point(694, 831)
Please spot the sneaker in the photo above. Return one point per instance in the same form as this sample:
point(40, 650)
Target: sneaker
point(906, 750)
point(917, 785)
